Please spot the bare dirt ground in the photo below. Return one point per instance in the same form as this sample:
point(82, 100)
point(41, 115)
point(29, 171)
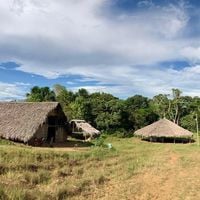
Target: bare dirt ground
point(63, 149)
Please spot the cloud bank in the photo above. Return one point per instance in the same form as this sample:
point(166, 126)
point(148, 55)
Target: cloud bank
point(122, 51)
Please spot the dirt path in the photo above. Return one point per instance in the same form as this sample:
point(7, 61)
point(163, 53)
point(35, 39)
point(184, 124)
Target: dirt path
point(164, 181)
point(63, 149)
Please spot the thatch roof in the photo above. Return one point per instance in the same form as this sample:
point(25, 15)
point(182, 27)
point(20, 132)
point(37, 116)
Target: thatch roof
point(20, 121)
point(86, 128)
point(163, 128)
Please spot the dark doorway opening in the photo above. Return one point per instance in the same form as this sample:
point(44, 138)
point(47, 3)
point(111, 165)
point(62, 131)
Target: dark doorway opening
point(169, 140)
point(51, 129)
point(52, 120)
point(51, 134)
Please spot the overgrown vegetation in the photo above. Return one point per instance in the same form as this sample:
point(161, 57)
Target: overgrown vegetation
point(133, 169)
point(110, 114)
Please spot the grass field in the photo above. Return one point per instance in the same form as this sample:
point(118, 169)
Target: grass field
point(133, 169)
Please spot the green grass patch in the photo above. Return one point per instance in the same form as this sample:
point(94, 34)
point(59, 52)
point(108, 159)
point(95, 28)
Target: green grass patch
point(130, 168)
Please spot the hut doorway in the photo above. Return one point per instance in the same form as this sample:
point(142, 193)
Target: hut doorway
point(51, 129)
point(51, 134)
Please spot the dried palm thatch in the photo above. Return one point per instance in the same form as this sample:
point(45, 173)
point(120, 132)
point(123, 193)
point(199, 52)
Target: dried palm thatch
point(20, 121)
point(85, 128)
point(163, 128)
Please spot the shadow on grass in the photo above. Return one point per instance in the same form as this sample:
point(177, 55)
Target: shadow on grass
point(69, 143)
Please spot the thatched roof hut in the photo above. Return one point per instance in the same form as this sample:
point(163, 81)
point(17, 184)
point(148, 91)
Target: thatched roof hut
point(24, 121)
point(82, 127)
point(163, 129)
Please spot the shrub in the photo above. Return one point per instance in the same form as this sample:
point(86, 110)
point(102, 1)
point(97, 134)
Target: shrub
point(122, 133)
point(100, 142)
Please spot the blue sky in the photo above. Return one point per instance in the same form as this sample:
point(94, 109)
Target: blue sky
point(124, 47)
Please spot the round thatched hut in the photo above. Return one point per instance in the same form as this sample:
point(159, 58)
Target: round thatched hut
point(163, 130)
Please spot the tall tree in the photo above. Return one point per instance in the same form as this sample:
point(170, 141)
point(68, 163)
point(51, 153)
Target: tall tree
point(177, 105)
point(39, 94)
point(65, 98)
point(139, 112)
point(160, 103)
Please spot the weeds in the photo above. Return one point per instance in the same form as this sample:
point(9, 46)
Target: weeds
point(133, 168)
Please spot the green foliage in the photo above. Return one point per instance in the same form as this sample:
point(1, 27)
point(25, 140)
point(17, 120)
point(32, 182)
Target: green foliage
point(81, 108)
point(189, 122)
point(65, 98)
point(160, 103)
point(121, 117)
point(122, 133)
point(6, 142)
point(139, 112)
point(100, 142)
point(38, 94)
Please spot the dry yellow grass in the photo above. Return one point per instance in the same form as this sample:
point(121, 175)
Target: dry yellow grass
point(133, 170)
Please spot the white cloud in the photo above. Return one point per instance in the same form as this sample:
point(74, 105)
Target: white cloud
point(145, 3)
point(12, 91)
point(69, 33)
point(192, 54)
point(127, 82)
point(78, 37)
point(70, 83)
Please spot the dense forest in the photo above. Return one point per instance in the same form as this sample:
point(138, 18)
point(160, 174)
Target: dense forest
point(113, 115)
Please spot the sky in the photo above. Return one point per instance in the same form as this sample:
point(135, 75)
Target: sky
point(124, 47)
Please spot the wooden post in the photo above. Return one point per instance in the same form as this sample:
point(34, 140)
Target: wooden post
point(197, 124)
point(72, 125)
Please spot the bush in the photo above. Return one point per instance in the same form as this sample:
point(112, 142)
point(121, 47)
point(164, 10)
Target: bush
point(121, 133)
point(100, 142)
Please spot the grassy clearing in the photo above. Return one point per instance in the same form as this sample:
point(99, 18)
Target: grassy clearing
point(134, 169)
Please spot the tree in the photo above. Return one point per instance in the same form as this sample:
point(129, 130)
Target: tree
point(57, 88)
point(136, 102)
point(139, 112)
point(189, 122)
point(39, 94)
point(65, 98)
point(160, 104)
point(176, 105)
point(81, 109)
point(82, 93)
point(106, 112)
point(172, 108)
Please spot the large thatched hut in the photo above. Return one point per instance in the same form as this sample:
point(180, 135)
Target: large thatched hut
point(30, 122)
point(163, 130)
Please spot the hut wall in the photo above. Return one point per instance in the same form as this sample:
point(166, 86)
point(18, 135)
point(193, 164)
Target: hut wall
point(61, 134)
point(42, 132)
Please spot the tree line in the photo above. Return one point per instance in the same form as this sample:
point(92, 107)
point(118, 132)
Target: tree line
point(109, 113)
